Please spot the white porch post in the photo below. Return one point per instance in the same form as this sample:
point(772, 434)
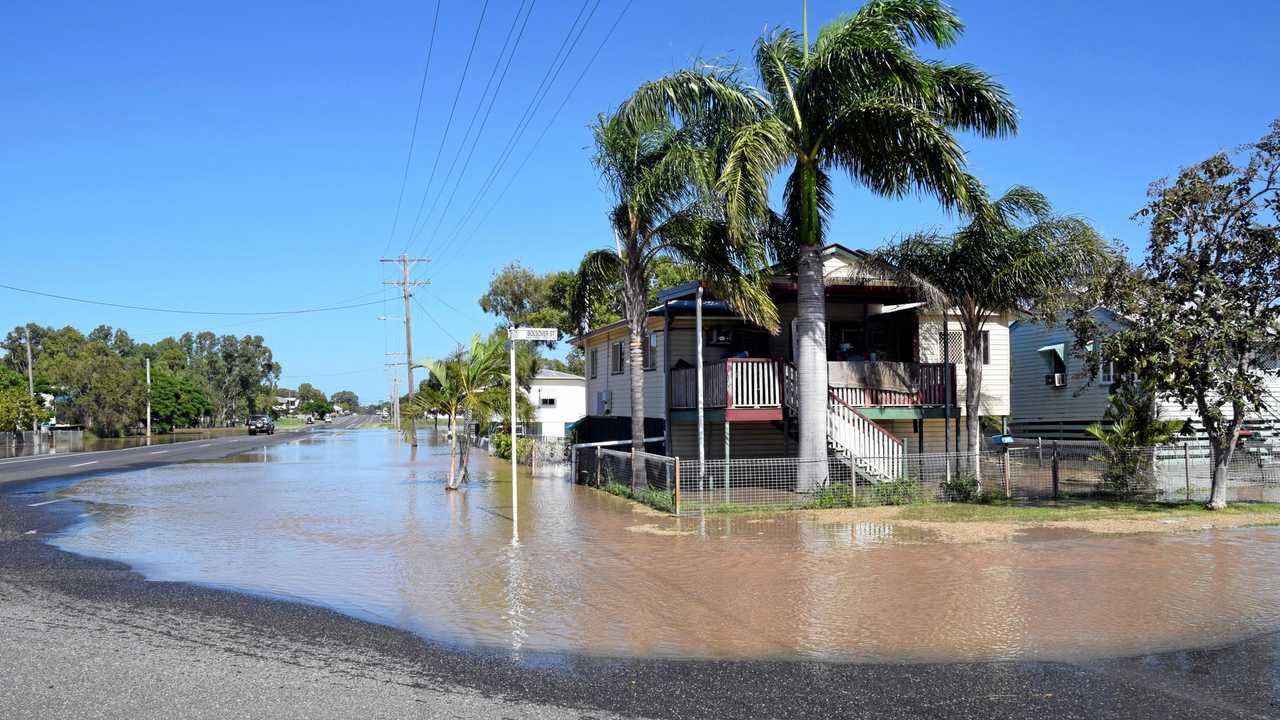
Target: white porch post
point(702, 444)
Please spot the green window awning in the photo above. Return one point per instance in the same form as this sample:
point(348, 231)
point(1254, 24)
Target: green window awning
point(1059, 348)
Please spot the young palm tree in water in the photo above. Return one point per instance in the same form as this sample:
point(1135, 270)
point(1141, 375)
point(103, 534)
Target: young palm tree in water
point(859, 101)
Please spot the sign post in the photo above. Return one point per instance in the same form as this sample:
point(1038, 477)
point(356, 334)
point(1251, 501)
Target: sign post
point(528, 334)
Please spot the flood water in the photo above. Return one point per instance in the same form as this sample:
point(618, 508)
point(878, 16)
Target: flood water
point(353, 521)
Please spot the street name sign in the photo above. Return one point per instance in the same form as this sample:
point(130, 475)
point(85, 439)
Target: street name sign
point(543, 334)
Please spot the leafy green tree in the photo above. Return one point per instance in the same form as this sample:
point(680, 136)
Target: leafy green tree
point(1013, 255)
point(176, 399)
point(318, 408)
point(307, 393)
point(10, 379)
point(861, 101)
point(18, 410)
point(345, 399)
point(1203, 317)
point(661, 176)
point(96, 388)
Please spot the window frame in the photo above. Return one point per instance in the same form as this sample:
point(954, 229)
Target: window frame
point(620, 366)
point(1107, 372)
point(984, 339)
point(546, 402)
point(650, 353)
point(594, 361)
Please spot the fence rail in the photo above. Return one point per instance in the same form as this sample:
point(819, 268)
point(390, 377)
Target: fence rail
point(1028, 474)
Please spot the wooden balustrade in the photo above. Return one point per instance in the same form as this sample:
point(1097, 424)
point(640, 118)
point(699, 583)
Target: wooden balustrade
point(769, 383)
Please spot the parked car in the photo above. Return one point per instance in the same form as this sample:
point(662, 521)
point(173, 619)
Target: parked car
point(261, 424)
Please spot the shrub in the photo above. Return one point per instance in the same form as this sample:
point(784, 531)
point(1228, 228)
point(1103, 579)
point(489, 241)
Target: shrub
point(833, 496)
point(962, 488)
point(903, 491)
point(502, 447)
point(657, 499)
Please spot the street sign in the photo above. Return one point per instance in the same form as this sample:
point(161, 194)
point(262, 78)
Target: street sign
point(543, 334)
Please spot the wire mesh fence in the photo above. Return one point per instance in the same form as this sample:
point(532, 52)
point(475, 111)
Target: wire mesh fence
point(1028, 474)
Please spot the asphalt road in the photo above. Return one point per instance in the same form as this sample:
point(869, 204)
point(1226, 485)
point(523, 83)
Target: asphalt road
point(83, 463)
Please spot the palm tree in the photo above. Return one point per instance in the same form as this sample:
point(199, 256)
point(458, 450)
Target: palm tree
point(1013, 255)
point(466, 386)
point(662, 178)
point(859, 101)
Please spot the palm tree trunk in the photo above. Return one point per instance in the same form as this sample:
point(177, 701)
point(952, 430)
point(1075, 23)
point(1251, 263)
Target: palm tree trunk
point(811, 344)
point(973, 394)
point(464, 447)
point(634, 298)
point(453, 452)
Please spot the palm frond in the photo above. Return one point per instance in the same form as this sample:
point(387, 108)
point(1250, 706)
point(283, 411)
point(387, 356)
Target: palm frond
point(756, 151)
point(695, 95)
point(599, 271)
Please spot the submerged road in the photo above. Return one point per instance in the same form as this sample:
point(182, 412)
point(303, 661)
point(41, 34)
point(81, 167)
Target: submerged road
point(38, 467)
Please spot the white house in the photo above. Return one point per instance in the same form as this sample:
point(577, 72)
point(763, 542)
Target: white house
point(892, 385)
point(559, 399)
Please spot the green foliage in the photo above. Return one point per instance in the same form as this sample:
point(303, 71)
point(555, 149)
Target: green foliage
point(318, 408)
point(903, 491)
point(345, 399)
point(962, 488)
point(177, 400)
point(1203, 309)
point(18, 410)
point(1129, 425)
point(502, 447)
point(10, 379)
point(658, 499)
point(835, 495)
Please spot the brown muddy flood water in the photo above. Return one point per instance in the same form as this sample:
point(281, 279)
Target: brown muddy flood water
point(350, 520)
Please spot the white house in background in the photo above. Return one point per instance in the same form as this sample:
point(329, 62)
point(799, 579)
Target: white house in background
point(1052, 400)
point(559, 399)
point(287, 404)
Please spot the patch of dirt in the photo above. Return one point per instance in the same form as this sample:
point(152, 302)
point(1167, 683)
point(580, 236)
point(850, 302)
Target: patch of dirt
point(659, 530)
point(1006, 530)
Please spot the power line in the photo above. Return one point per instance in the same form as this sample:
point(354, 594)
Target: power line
point(413, 132)
point(147, 308)
point(533, 148)
point(570, 40)
point(487, 111)
point(449, 123)
point(435, 322)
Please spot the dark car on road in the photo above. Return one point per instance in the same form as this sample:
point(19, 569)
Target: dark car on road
point(261, 424)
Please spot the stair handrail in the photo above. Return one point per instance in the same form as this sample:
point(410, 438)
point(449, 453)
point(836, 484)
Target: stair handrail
point(878, 449)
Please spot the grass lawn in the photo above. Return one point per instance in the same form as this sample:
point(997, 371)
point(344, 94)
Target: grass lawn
point(1096, 510)
point(288, 422)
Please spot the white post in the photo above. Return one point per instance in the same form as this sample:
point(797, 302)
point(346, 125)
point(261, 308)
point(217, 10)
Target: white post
point(515, 507)
point(148, 361)
point(702, 444)
point(31, 387)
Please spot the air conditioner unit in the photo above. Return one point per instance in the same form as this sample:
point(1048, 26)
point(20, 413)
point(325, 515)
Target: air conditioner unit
point(604, 402)
point(1056, 379)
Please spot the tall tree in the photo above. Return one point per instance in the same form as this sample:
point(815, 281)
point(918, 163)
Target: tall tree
point(860, 101)
point(1013, 255)
point(661, 177)
point(1204, 320)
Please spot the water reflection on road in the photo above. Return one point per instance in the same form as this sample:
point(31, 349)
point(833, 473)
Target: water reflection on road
point(356, 521)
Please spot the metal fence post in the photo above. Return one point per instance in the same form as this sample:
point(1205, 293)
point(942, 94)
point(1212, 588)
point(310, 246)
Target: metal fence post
point(1008, 487)
point(1055, 469)
point(1186, 468)
point(676, 496)
point(1040, 451)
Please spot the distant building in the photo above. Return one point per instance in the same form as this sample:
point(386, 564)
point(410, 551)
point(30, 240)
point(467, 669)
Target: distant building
point(287, 404)
point(559, 399)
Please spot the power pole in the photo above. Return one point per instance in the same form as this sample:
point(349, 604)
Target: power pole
point(148, 400)
point(405, 263)
point(31, 383)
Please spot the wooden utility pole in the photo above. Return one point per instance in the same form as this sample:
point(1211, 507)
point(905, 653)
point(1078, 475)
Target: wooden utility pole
point(405, 263)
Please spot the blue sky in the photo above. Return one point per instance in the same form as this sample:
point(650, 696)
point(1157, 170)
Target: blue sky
point(245, 156)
